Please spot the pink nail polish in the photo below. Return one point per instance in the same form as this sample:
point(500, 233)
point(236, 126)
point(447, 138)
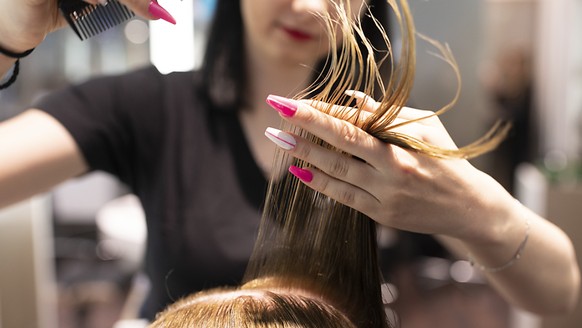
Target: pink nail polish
point(159, 12)
point(301, 174)
point(285, 106)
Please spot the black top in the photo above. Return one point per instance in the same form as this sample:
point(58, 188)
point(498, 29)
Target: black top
point(188, 163)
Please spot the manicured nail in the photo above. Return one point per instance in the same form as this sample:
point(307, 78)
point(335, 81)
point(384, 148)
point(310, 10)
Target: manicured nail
point(356, 94)
point(103, 2)
point(285, 106)
point(158, 12)
point(301, 174)
point(280, 138)
point(361, 98)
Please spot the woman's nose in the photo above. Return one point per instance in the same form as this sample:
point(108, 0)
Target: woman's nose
point(312, 6)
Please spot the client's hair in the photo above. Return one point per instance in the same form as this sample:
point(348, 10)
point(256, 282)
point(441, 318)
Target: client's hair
point(268, 308)
point(315, 260)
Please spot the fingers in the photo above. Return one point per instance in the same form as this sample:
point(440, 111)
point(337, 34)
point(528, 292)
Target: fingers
point(339, 128)
point(346, 113)
point(372, 180)
point(339, 190)
point(358, 182)
point(149, 9)
point(333, 174)
point(368, 104)
point(363, 101)
point(336, 164)
point(96, 2)
point(337, 132)
point(337, 175)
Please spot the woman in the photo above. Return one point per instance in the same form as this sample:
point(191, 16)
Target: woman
point(192, 148)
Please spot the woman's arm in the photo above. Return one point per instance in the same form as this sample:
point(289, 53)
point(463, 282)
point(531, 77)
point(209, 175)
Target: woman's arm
point(445, 197)
point(36, 153)
point(528, 259)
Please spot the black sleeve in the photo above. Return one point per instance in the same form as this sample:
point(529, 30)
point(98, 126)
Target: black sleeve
point(112, 119)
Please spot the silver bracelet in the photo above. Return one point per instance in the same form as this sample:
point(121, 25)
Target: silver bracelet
point(511, 262)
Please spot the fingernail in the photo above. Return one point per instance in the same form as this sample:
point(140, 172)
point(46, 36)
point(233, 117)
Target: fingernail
point(356, 94)
point(280, 138)
point(103, 2)
point(285, 106)
point(158, 12)
point(301, 174)
point(361, 98)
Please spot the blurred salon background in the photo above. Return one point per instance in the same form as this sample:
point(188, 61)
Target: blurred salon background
point(72, 258)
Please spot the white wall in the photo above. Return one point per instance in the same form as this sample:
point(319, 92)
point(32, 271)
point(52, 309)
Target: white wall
point(27, 278)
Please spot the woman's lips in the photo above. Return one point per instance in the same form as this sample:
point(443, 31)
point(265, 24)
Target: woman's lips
point(297, 35)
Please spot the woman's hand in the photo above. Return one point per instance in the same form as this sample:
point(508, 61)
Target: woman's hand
point(410, 191)
point(396, 187)
point(25, 23)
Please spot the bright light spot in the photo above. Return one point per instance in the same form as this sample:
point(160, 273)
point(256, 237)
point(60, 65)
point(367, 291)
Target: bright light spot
point(556, 161)
point(137, 31)
point(389, 293)
point(462, 271)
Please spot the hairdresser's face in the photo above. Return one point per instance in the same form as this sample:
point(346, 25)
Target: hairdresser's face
point(287, 30)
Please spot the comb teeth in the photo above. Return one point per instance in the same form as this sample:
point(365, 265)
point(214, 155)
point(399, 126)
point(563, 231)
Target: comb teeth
point(89, 20)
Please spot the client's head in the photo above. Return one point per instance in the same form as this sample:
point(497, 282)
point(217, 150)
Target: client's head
point(252, 305)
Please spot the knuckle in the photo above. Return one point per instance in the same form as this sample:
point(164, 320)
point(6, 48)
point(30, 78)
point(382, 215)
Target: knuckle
point(348, 133)
point(310, 117)
point(346, 197)
point(303, 150)
point(339, 167)
point(322, 185)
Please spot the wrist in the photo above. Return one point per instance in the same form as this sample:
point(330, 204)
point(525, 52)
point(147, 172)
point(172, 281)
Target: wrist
point(493, 214)
point(500, 232)
point(509, 263)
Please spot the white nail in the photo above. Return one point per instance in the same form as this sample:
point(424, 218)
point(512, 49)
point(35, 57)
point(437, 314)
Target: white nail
point(103, 2)
point(280, 138)
point(362, 99)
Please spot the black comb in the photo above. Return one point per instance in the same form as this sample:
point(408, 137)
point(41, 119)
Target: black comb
point(88, 20)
